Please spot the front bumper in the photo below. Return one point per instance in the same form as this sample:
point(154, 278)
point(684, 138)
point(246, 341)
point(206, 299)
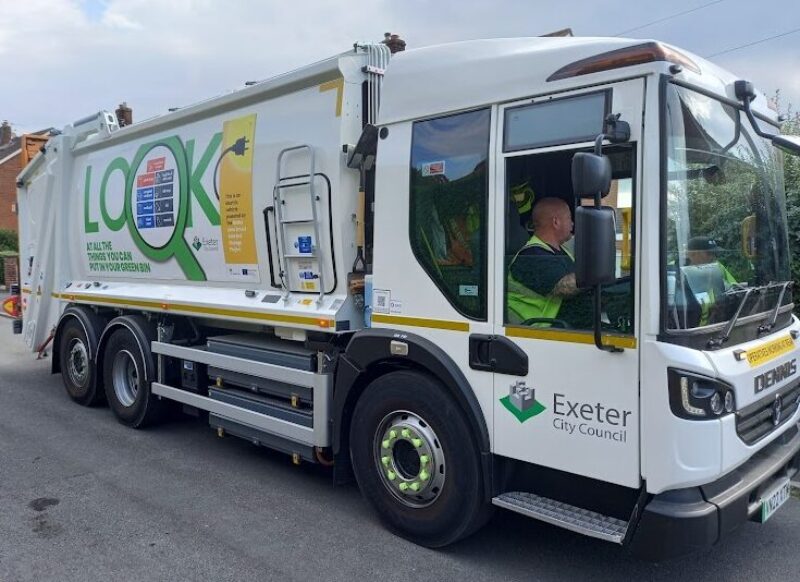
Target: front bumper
point(686, 520)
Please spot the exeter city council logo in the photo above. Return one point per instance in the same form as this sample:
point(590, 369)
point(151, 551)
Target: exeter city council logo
point(521, 401)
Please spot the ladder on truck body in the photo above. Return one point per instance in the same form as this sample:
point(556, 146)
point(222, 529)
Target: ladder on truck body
point(282, 184)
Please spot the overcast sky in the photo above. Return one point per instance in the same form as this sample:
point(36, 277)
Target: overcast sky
point(61, 60)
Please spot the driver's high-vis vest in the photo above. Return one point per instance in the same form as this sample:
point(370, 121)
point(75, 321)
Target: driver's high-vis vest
point(706, 305)
point(524, 303)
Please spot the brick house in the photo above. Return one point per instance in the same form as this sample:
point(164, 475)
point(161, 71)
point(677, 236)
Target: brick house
point(15, 153)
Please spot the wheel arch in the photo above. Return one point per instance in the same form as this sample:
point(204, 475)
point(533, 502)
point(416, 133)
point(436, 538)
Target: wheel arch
point(368, 356)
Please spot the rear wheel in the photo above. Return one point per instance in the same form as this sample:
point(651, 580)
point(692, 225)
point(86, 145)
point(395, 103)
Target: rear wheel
point(416, 461)
point(125, 379)
point(78, 369)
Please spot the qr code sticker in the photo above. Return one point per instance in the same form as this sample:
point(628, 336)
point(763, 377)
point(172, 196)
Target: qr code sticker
point(381, 299)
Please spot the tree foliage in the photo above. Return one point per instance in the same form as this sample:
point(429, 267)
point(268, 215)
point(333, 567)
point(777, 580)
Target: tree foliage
point(791, 173)
point(8, 240)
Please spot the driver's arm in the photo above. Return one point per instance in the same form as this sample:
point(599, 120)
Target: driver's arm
point(566, 286)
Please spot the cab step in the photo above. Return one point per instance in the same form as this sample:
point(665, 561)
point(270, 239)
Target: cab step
point(564, 515)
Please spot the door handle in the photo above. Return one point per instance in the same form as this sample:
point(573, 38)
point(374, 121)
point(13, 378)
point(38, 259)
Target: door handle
point(498, 354)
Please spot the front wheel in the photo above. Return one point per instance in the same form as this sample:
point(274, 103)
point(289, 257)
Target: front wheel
point(416, 461)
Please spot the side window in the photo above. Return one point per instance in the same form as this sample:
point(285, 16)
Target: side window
point(540, 271)
point(449, 200)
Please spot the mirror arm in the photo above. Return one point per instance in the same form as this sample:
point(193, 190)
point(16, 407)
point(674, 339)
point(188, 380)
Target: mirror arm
point(598, 298)
point(598, 336)
point(752, 119)
point(598, 151)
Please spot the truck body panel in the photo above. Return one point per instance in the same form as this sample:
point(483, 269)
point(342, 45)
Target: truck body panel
point(244, 219)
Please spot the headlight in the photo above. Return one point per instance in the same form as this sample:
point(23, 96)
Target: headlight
point(698, 397)
point(729, 405)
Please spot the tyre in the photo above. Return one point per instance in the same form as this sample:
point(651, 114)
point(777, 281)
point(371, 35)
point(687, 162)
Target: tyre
point(78, 369)
point(125, 380)
point(416, 461)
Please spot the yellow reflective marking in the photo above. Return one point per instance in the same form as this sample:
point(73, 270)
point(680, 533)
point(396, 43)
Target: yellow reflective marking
point(770, 350)
point(338, 85)
point(420, 322)
point(196, 309)
point(575, 337)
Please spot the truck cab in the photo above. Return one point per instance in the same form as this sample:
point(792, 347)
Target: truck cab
point(700, 393)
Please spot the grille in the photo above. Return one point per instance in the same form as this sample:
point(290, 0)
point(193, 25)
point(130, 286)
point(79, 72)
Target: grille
point(755, 422)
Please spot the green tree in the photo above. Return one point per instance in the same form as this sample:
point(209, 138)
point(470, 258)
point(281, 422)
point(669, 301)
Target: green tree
point(8, 240)
point(791, 178)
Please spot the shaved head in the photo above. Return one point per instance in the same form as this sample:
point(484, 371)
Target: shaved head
point(546, 209)
point(552, 221)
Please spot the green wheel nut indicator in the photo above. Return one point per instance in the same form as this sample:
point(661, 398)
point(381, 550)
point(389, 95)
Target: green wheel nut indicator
point(423, 475)
point(385, 461)
point(423, 460)
point(392, 434)
point(416, 442)
point(385, 444)
point(414, 486)
point(391, 475)
point(403, 486)
point(405, 432)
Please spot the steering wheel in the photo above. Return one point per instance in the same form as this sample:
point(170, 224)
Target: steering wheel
point(621, 285)
point(559, 323)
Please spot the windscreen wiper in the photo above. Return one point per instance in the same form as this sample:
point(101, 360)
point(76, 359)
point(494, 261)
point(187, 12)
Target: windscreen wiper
point(773, 318)
point(716, 342)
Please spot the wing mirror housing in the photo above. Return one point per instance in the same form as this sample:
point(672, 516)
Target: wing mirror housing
point(591, 173)
point(595, 246)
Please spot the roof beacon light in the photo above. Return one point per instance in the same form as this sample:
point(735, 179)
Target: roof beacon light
point(11, 306)
point(648, 52)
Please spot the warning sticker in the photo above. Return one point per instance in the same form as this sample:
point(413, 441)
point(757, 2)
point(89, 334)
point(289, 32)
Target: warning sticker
point(433, 169)
point(770, 351)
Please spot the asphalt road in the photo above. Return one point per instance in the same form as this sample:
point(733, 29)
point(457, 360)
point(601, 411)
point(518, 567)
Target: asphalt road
point(85, 498)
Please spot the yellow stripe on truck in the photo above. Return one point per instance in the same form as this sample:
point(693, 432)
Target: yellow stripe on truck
point(338, 85)
point(165, 306)
point(575, 337)
point(420, 322)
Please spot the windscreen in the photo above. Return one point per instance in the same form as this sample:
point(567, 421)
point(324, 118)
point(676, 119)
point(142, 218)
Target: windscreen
point(725, 215)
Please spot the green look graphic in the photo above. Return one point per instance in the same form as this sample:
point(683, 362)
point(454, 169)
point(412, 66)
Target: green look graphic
point(176, 246)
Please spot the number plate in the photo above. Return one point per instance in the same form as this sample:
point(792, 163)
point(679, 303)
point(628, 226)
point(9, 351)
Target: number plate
point(774, 498)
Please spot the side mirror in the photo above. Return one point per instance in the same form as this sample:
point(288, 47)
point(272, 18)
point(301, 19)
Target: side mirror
point(595, 246)
point(591, 174)
point(745, 92)
point(788, 143)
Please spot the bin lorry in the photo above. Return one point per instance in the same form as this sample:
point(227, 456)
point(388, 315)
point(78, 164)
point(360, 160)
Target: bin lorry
point(331, 263)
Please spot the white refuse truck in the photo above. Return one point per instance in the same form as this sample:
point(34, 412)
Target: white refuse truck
point(342, 263)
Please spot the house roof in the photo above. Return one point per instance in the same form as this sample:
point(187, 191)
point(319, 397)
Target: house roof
point(10, 149)
point(13, 147)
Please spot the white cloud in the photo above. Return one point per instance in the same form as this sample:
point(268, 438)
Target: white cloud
point(155, 54)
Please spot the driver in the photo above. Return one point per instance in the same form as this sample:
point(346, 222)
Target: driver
point(541, 276)
point(703, 250)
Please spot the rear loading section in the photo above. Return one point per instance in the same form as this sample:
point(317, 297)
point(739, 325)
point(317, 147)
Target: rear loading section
point(269, 391)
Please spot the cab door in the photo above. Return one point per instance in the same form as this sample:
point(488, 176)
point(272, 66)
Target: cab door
point(575, 408)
